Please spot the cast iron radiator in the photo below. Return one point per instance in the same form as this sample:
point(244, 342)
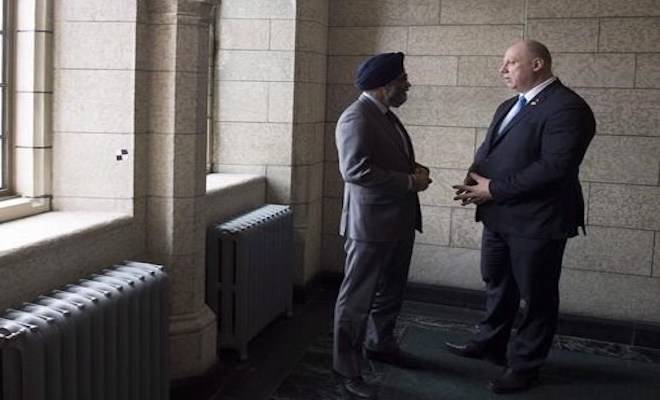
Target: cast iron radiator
point(249, 264)
point(102, 338)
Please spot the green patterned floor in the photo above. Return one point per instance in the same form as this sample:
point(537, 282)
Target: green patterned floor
point(567, 375)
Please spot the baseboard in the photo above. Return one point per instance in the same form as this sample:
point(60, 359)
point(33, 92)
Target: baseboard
point(445, 295)
point(631, 333)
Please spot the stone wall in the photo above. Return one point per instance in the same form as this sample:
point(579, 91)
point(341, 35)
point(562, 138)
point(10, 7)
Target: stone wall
point(608, 51)
point(269, 107)
point(94, 106)
point(254, 91)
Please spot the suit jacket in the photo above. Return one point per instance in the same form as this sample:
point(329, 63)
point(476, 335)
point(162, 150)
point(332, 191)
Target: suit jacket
point(534, 165)
point(375, 167)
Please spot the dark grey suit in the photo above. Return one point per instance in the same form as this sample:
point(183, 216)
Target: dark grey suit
point(378, 220)
point(537, 204)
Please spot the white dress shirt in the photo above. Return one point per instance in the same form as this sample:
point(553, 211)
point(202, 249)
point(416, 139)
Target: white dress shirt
point(529, 96)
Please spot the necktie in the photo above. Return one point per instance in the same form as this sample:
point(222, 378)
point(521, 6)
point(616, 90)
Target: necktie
point(520, 104)
point(400, 129)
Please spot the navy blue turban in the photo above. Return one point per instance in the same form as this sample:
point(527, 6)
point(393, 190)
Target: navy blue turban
point(379, 70)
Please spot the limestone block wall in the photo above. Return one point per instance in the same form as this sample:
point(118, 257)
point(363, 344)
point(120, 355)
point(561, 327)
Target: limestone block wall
point(94, 106)
point(607, 50)
point(269, 107)
point(253, 91)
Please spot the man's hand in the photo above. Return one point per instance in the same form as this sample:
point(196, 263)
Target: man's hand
point(475, 190)
point(469, 180)
point(421, 179)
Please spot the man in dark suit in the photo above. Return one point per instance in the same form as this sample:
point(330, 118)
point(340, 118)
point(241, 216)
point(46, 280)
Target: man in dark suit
point(524, 181)
point(378, 220)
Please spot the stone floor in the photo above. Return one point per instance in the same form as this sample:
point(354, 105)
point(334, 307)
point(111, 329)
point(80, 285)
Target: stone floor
point(291, 360)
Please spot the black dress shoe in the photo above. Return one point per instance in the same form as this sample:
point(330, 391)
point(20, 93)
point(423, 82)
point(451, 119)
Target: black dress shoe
point(511, 381)
point(395, 357)
point(472, 350)
point(355, 388)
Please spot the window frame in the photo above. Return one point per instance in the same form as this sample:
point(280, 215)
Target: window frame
point(210, 97)
point(6, 188)
point(28, 104)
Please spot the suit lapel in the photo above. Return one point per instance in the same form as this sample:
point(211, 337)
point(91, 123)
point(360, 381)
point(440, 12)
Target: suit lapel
point(491, 135)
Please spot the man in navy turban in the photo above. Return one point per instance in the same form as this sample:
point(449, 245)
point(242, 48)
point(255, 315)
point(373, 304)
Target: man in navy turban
point(379, 70)
point(380, 215)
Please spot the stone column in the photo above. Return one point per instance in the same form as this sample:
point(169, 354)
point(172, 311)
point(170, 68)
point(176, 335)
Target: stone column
point(310, 47)
point(172, 81)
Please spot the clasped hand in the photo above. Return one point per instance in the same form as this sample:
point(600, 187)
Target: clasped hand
point(421, 179)
point(474, 190)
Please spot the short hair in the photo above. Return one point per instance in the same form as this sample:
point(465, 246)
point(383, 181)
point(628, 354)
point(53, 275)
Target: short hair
point(538, 49)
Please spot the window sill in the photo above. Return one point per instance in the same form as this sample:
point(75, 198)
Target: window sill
point(20, 207)
point(217, 183)
point(20, 237)
point(232, 194)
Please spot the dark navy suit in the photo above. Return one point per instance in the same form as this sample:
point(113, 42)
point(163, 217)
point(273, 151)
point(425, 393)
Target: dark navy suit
point(537, 204)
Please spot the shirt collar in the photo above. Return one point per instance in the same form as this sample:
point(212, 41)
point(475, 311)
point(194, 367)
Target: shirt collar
point(533, 92)
point(378, 104)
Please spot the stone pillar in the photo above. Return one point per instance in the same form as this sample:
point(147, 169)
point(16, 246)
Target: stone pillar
point(172, 79)
point(311, 34)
